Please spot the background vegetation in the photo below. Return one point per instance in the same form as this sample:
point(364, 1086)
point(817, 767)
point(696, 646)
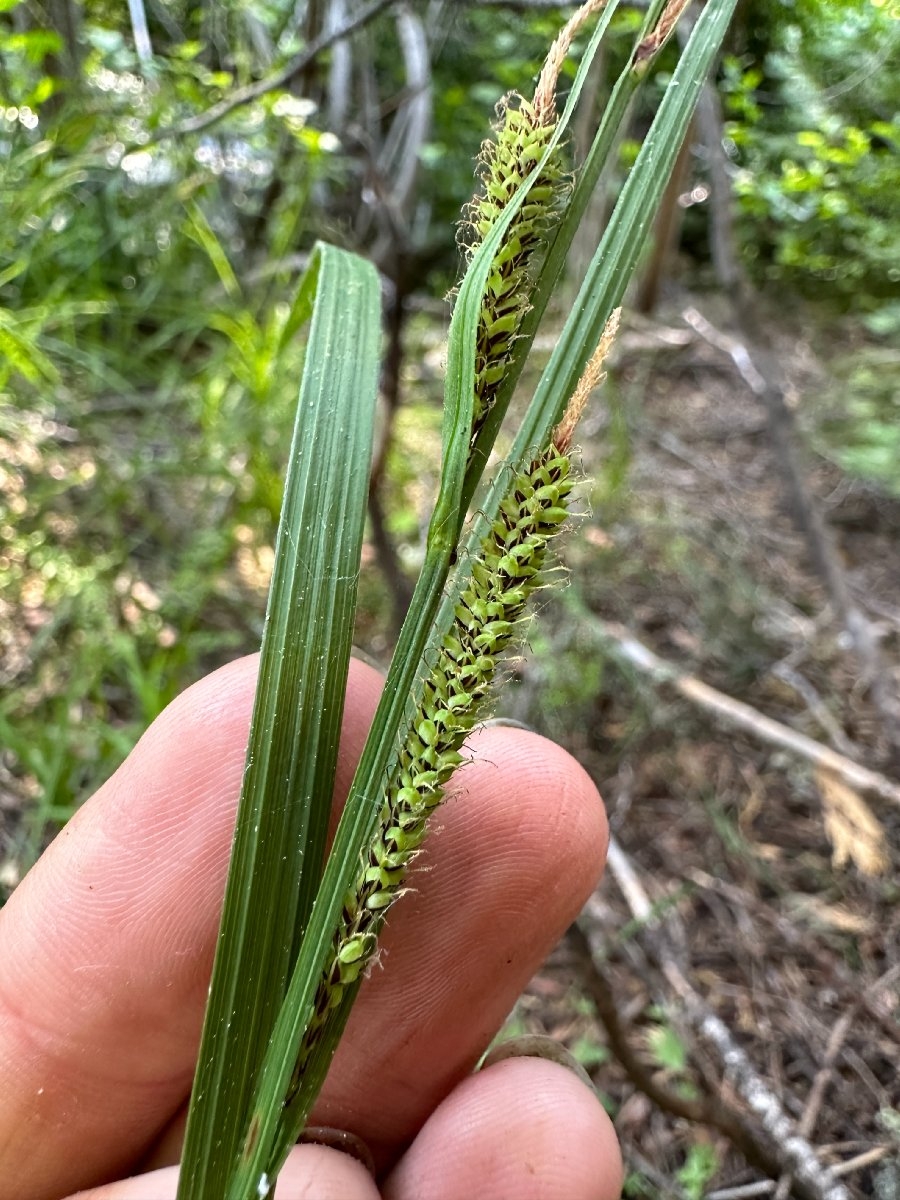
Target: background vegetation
point(160, 190)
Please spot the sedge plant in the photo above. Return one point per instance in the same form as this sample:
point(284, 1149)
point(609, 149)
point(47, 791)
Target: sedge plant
point(300, 928)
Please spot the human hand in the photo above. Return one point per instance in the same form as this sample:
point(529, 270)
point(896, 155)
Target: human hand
point(106, 949)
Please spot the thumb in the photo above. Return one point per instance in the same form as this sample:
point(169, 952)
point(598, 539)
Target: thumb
point(309, 1171)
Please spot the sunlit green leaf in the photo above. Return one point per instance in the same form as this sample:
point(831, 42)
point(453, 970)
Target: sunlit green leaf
point(292, 752)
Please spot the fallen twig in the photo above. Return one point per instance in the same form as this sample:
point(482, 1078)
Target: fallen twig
point(819, 710)
point(867, 1159)
point(816, 1095)
point(794, 1152)
point(702, 1110)
point(278, 79)
point(743, 716)
point(744, 1191)
point(765, 1187)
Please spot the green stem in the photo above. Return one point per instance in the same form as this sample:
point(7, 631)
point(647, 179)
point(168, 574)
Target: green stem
point(272, 1132)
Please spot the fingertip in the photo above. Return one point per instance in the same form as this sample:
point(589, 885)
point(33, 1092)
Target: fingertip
point(524, 1127)
point(549, 800)
point(317, 1171)
point(515, 851)
point(525, 824)
point(326, 1174)
point(155, 1185)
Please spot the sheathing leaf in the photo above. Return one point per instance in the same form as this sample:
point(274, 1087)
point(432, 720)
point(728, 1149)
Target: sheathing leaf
point(292, 753)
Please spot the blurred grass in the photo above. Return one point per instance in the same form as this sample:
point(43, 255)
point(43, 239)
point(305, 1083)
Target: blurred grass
point(137, 512)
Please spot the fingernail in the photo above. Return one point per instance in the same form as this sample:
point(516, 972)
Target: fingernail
point(339, 1139)
point(537, 1045)
point(506, 723)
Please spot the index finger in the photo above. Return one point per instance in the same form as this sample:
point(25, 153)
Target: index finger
point(107, 944)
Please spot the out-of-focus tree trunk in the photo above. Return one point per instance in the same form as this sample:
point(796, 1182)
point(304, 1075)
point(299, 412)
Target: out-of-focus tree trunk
point(666, 228)
point(309, 81)
point(65, 19)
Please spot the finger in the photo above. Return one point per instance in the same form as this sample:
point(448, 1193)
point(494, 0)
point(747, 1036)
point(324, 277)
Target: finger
point(521, 1128)
point(310, 1171)
point(107, 945)
point(509, 860)
point(524, 1127)
point(119, 966)
point(518, 847)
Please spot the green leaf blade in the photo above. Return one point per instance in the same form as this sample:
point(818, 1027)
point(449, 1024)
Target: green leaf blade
point(295, 729)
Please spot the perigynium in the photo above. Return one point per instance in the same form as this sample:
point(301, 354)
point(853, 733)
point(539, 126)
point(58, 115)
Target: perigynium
point(522, 136)
point(523, 133)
